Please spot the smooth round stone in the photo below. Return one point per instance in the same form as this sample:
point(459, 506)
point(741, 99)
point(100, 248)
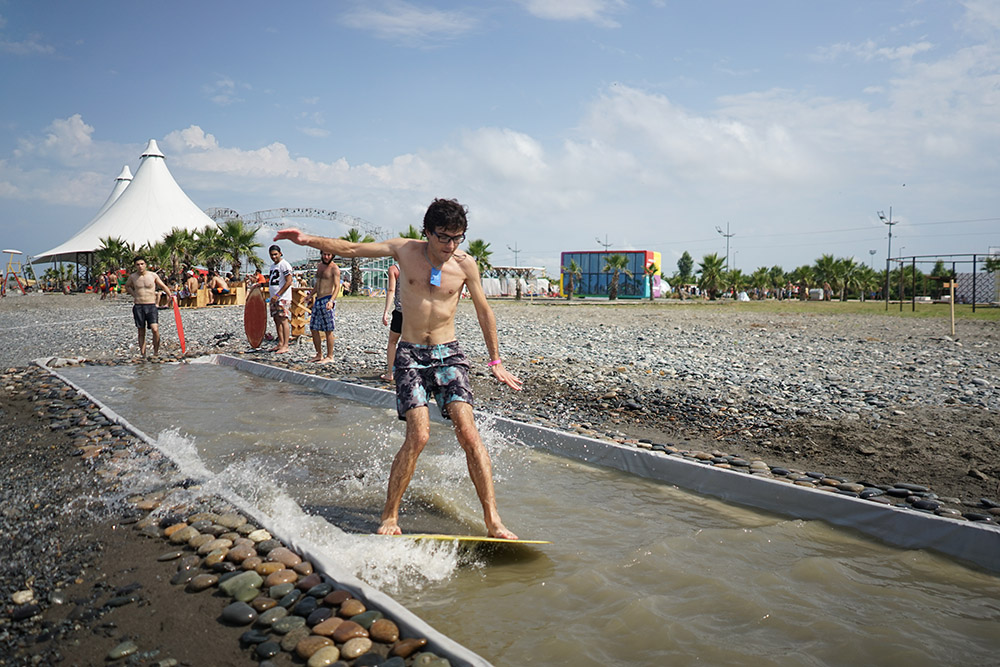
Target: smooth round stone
point(215, 558)
point(306, 648)
point(404, 648)
point(898, 492)
point(182, 577)
point(259, 535)
point(264, 546)
point(240, 581)
point(777, 470)
point(871, 493)
point(285, 556)
point(308, 581)
point(246, 594)
point(354, 647)
point(122, 650)
point(189, 562)
point(184, 535)
point(201, 582)
point(215, 545)
point(351, 608)
point(232, 520)
point(252, 563)
point(262, 603)
point(304, 568)
point(337, 597)
point(851, 487)
point(200, 540)
point(292, 639)
point(365, 619)
point(253, 637)
point(328, 627)
point(23, 597)
point(240, 553)
point(348, 630)
point(283, 576)
point(224, 567)
point(318, 616)
point(385, 631)
point(174, 528)
point(170, 555)
point(272, 615)
point(927, 505)
point(264, 569)
point(281, 590)
point(948, 512)
point(239, 613)
point(210, 517)
point(324, 657)
point(202, 525)
point(290, 599)
point(267, 650)
point(287, 624)
point(913, 487)
point(320, 590)
point(305, 606)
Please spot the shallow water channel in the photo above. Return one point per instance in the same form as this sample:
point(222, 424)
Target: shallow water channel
point(638, 573)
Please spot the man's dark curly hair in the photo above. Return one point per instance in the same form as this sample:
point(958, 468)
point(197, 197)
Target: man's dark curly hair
point(447, 215)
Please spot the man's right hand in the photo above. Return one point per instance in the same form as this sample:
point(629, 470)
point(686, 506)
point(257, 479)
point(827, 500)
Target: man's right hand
point(291, 234)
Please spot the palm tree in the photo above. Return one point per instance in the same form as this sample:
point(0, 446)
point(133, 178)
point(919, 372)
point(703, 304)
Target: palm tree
point(354, 236)
point(651, 272)
point(572, 271)
point(761, 279)
point(181, 244)
point(114, 254)
point(240, 241)
point(711, 269)
point(803, 277)
point(615, 264)
point(411, 233)
point(827, 271)
point(848, 273)
point(778, 279)
point(736, 280)
point(480, 251)
point(209, 247)
point(157, 256)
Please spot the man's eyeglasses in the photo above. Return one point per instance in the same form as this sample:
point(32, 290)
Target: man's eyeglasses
point(444, 238)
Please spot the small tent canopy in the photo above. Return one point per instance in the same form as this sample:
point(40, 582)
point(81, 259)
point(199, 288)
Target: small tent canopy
point(143, 211)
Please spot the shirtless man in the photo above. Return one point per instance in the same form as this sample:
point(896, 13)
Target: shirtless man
point(142, 286)
point(216, 285)
point(191, 284)
point(428, 359)
point(321, 324)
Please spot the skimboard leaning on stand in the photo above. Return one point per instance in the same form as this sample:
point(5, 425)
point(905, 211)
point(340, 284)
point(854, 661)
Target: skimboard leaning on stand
point(180, 325)
point(255, 317)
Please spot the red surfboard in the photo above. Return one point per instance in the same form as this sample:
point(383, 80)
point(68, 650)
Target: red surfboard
point(255, 317)
point(180, 325)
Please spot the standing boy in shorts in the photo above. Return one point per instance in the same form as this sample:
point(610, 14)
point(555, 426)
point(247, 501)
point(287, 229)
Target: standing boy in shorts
point(393, 321)
point(321, 322)
point(142, 285)
point(279, 290)
point(428, 358)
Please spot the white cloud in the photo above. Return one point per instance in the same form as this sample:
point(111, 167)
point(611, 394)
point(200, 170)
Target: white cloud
point(28, 47)
point(594, 11)
point(316, 132)
point(225, 91)
point(869, 50)
point(403, 22)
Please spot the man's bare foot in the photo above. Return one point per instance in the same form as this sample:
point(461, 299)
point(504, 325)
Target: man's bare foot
point(281, 350)
point(385, 377)
point(501, 532)
point(316, 358)
point(326, 360)
point(389, 527)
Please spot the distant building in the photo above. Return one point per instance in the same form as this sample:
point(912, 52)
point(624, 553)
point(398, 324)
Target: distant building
point(595, 281)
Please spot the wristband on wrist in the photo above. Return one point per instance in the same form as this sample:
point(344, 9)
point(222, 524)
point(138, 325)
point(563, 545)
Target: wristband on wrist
point(495, 362)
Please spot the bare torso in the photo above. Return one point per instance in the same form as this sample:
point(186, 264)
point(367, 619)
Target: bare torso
point(327, 279)
point(142, 287)
point(429, 310)
point(191, 284)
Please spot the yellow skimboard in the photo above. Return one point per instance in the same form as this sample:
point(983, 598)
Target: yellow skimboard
point(467, 538)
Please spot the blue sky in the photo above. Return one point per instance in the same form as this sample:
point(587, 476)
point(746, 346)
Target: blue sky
point(647, 124)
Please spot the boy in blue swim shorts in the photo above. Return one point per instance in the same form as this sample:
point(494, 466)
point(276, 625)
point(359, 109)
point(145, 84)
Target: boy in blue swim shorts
point(428, 361)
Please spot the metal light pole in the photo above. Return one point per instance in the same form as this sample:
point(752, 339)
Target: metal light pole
point(515, 251)
point(888, 221)
point(728, 236)
point(872, 261)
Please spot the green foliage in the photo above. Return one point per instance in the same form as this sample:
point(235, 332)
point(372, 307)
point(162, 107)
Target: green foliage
point(711, 270)
point(572, 271)
point(411, 233)
point(480, 251)
point(616, 265)
point(239, 241)
point(685, 267)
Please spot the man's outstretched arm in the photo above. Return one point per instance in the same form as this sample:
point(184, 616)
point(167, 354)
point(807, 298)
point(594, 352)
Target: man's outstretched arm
point(340, 246)
point(488, 324)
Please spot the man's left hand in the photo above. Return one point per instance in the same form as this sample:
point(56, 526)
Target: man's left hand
point(505, 376)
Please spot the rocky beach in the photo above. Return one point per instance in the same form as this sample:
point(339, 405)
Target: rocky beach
point(878, 400)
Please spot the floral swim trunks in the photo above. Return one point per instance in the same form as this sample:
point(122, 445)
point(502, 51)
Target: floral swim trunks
point(424, 370)
point(280, 309)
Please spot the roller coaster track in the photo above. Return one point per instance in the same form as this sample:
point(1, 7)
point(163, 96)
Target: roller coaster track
point(272, 218)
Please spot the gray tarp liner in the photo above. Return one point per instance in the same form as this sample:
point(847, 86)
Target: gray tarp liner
point(409, 623)
point(911, 529)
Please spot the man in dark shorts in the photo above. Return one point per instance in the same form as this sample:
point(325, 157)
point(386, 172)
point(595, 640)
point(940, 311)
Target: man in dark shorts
point(322, 320)
point(142, 286)
point(428, 360)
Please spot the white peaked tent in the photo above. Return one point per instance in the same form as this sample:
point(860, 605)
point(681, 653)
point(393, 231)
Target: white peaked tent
point(142, 211)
